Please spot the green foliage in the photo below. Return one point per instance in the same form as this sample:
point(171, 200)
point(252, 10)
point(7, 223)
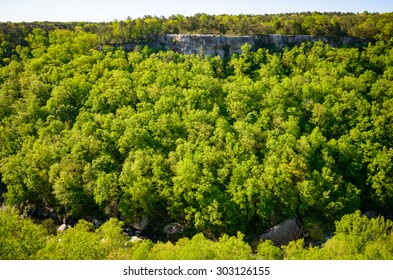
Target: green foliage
point(356, 237)
point(67, 181)
point(77, 243)
point(219, 146)
point(19, 238)
point(267, 251)
point(148, 28)
point(113, 240)
point(381, 169)
point(200, 248)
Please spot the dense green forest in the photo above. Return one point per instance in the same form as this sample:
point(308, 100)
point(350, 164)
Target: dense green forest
point(225, 147)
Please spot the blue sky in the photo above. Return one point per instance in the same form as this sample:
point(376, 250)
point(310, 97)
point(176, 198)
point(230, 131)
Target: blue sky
point(109, 10)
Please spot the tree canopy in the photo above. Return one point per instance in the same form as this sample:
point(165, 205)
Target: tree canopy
point(219, 146)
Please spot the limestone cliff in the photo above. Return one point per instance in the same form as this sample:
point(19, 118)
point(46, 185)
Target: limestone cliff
point(225, 46)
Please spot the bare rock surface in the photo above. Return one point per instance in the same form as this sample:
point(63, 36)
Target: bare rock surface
point(283, 233)
point(141, 224)
point(173, 228)
point(371, 214)
point(62, 228)
point(225, 46)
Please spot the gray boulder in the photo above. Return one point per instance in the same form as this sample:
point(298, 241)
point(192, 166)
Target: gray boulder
point(127, 231)
point(283, 233)
point(96, 223)
point(371, 214)
point(62, 228)
point(141, 224)
point(173, 228)
point(135, 239)
point(30, 210)
point(327, 236)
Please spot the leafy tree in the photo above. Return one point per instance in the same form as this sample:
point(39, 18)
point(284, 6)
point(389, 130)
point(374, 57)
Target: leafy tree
point(21, 239)
point(113, 240)
point(200, 248)
point(380, 180)
point(68, 187)
point(267, 251)
point(357, 237)
point(89, 129)
point(77, 243)
point(144, 181)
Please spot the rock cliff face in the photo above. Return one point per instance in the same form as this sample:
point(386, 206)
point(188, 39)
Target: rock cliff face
point(225, 46)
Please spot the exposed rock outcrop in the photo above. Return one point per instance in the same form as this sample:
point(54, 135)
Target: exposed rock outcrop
point(284, 232)
point(371, 214)
point(96, 223)
point(135, 239)
point(62, 228)
point(278, 41)
point(212, 45)
point(225, 46)
point(141, 224)
point(173, 228)
point(39, 212)
point(128, 231)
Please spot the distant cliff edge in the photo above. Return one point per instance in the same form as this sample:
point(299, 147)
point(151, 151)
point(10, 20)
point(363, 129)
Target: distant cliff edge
point(225, 46)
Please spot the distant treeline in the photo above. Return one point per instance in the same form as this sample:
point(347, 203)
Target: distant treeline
point(370, 25)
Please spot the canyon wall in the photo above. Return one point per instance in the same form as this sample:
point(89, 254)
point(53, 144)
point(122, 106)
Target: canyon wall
point(225, 46)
